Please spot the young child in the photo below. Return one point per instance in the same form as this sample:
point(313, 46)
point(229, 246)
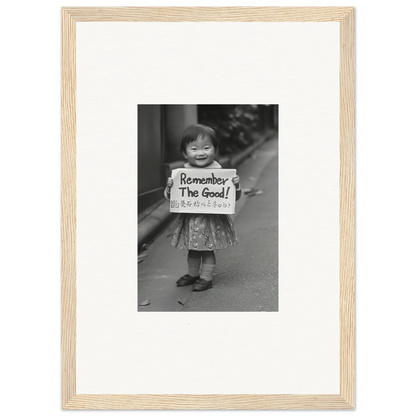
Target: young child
point(202, 234)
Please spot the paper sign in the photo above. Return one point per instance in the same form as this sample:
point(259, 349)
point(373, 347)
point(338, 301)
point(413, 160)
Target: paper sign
point(204, 191)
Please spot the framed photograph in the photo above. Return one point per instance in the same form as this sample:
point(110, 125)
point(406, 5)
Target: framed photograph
point(208, 208)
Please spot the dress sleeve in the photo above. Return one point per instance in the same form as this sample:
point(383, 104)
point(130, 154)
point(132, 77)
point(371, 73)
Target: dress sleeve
point(238, 194)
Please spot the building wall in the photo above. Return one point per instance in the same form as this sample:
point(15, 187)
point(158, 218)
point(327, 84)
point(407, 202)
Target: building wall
point(150, 158)
point(176, 119)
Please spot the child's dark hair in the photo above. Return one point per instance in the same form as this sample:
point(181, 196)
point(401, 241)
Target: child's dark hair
point(191, 133)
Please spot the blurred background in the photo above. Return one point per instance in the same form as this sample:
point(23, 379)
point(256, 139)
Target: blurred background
point(160, 129)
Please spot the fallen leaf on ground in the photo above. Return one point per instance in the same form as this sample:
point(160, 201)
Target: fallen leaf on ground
point(258, 192)
point(252, 192)
point(145, 303)
point(142, 255)
point(184, 303)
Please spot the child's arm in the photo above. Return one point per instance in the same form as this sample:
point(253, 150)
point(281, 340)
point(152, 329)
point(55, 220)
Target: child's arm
point(238, 192)
point(169, 184)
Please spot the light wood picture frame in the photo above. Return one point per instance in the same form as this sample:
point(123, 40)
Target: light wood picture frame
point(346, 398)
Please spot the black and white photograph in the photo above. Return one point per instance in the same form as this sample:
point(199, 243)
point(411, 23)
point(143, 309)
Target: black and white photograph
point(208, 208)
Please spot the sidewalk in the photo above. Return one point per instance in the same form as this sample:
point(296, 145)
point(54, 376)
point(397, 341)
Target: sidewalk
point(246, 274)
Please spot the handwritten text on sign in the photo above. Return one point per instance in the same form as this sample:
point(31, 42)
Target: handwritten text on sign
point(205, 191)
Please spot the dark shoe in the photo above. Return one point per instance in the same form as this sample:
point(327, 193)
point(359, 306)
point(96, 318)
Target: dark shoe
point(201, 285)
point(187, 280)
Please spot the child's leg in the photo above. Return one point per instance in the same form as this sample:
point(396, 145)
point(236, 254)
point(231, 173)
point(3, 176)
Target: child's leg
point(208, 265)
point(207, 270)
point(194, 262)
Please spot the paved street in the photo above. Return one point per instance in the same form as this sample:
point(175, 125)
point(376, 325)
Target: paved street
point(245, 278)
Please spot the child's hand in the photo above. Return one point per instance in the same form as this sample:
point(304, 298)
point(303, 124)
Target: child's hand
point(236, 181)
point(169, 184)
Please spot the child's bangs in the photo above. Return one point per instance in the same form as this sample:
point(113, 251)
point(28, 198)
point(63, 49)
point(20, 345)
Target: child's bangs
point(192, 133)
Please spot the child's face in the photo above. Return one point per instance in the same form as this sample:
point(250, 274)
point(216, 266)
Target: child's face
point(201, 152)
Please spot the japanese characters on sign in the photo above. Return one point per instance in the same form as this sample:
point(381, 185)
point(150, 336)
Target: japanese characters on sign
point(205, 191)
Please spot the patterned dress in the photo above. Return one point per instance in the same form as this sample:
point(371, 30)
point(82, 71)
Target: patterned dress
point(204, 232)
